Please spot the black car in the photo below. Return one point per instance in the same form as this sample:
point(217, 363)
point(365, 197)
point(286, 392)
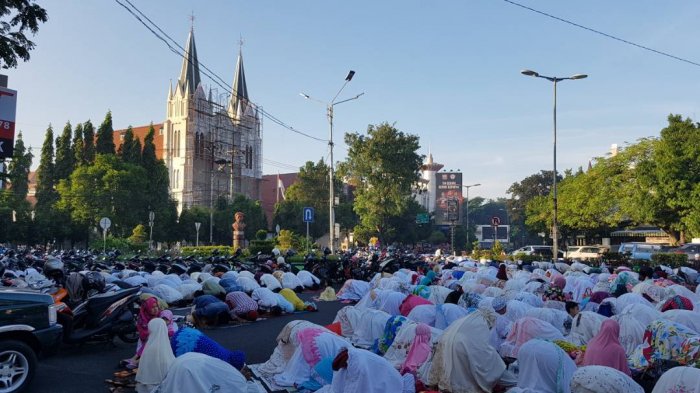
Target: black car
point(28, 329)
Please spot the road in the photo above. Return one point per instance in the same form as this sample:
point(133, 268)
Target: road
point(80, 369)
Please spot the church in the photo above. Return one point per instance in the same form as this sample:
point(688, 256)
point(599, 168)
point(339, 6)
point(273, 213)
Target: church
point(210, 141)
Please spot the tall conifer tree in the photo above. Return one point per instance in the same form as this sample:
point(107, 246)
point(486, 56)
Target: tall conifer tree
point(105, 138)
point(88, 142)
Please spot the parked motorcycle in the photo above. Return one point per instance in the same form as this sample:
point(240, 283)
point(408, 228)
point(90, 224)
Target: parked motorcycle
point(102, 317)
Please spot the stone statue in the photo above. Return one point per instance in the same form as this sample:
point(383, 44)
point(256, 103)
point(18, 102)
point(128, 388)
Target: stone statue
point(238, 230)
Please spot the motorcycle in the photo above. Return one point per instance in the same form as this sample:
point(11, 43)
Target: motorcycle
point(102, 317)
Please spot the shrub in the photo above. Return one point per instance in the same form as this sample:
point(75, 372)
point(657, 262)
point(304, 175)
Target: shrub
point(205, 251)
point(670, 259)
point(261, 246)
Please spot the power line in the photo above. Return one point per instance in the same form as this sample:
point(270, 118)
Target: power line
point(658, 52)
point(207, 72)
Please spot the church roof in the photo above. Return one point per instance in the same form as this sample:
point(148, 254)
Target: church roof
point(239, 94)
point(189, 75)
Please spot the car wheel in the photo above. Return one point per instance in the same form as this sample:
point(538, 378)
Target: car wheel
point(17, 366)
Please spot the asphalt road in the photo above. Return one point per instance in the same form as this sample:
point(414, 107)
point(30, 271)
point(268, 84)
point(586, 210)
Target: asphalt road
point(81, 369)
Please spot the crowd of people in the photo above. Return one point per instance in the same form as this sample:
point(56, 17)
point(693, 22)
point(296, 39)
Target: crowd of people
point(462, 326)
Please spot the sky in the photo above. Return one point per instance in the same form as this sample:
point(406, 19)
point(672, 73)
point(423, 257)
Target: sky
point(447, 71)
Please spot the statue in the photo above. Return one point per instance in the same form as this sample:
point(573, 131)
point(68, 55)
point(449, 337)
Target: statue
point(238, 230)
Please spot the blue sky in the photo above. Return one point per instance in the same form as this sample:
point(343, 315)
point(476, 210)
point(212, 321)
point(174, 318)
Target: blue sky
point(445, 70)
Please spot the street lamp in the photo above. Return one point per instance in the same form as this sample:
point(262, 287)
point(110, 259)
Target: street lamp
point(197, 225)
point(466, 212)
point(151, 219)
point(329, 111)
point(555, 80)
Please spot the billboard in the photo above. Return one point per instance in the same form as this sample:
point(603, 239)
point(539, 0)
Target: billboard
point(8, 107)
point(448, 198)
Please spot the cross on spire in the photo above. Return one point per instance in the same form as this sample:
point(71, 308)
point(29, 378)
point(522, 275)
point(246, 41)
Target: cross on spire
point(240, 43)
point(191, 18)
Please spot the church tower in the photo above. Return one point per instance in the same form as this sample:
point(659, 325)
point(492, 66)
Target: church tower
point(183, 134)
point(247, 135)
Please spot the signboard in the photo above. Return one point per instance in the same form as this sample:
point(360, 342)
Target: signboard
point(105, 223)
point(495, 221)
point(423, 218)
point(448, 197)
point(484, 233)
point(308, 214)
point(8, 109)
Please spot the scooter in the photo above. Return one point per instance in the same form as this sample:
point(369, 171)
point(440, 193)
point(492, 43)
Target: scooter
point(102, 317)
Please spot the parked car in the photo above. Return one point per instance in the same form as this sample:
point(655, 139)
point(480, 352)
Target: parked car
point(28, 329)
point(691, 249)
point(585, 252)
point(543, 251)
point(639, 250)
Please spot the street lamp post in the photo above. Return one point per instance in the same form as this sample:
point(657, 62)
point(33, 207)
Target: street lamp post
point(197, 225)
point(466, 204)
point(554, 80)
point(151, 219)
point(331, 175)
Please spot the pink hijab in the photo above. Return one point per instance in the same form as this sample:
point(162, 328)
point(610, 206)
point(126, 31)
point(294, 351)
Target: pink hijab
point(559, 282)
point(605, 349)
point(307, 341)
point(420, 350)
point(411, 302)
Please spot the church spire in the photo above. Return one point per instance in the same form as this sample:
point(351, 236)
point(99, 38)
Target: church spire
point(189, 75)
point(239, 94)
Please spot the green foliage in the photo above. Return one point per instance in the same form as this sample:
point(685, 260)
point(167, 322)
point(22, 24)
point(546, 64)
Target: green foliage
point(65, 160)
point(88, 142)
point(261, 246)
point(437, 237)
point(108, 188)
point(285, 239)
point(521, 193)
point(206, 251)
point(23, 16)
point(19, 228)
point(497, 253)
point(261, 235)
point(383, 165)
point(148, 153)
point(105, 136)
point(46, 194)
point(113, 243)
point(78, 146)
point(138, 235)
point(130, 149)
point(670, 259)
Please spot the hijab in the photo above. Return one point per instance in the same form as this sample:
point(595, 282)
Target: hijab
point(145, 317)
point(464, 361)
point(601, 379)
point(196, 372)
point(544, 368)
point(420, 349)
point(410, 302)
point(157, 356)
point(679, 379)
point(360, 371)
point(605, 348)
point(677, 303)
point(502, 274)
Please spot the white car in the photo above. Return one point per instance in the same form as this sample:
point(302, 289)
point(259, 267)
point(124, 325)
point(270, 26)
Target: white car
point(585, 252)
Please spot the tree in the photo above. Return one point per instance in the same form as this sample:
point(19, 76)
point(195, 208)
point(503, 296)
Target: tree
point(88, 142)
point(46, 194)
point(105, 136)
point(65, 159)
point(107, 188)
point(78, 146)
point(148, 154)
point(522, 192)
point(15, 199)
point(669, 180)
point(383, 165)
point(130, 149)
point(24, 16)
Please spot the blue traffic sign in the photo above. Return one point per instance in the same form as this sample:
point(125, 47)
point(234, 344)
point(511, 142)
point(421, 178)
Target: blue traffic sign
point(308, 214)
